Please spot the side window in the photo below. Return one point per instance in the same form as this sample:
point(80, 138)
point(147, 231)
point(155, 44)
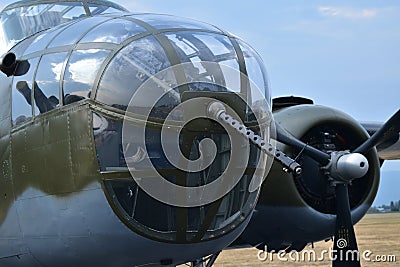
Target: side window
point(47, 82)
point(22, 95)
point(81, 72)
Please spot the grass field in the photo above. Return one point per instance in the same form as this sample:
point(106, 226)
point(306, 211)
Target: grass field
point(378, 233)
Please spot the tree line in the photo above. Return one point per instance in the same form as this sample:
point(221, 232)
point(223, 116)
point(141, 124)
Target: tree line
point(393, 207)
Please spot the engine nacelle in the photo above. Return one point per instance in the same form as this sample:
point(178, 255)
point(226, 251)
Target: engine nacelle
point(294, 211)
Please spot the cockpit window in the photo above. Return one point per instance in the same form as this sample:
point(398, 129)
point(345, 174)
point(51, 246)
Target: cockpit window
point(73, 33)
point(81, 72)
point(47, 84)
point(113, 31)
point(19, 23)
point(197, 48)
point(43, 39)
point(256, 71)
point(129, 69)
point(22, 95)
point(69, 11)
point(209, 62)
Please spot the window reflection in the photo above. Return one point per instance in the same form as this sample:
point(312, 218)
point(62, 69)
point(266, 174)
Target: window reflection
point(198, 48)
point(256, 72)
point(22, 95)
point(72, 34)
point(19, 23)
point(43, 39)
point(81, 72)
point(96, 9)
point(70, 11)
point(47, 86)
point(113, 31)
point(129, 70)
point(259, 97)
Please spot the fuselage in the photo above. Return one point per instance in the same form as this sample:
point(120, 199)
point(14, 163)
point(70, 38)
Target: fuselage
point(68, 195)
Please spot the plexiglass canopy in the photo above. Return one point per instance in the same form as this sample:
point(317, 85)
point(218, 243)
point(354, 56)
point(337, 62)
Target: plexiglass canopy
point(125, 50)
point(25, 18)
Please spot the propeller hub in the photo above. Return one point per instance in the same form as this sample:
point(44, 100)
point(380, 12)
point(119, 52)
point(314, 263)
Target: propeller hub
point(346, 166)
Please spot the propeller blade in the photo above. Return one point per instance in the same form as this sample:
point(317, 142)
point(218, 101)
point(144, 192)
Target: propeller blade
point(285, 137)
point(389, 130)
point(345, 242)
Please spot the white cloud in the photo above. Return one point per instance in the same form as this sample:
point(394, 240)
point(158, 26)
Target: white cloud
point(85, 70)
point(347, 12)
point(57, 68)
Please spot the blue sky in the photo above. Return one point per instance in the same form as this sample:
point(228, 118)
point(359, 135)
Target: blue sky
point(343, 54)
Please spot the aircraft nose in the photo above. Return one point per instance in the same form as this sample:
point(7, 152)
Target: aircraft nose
point(183, 177)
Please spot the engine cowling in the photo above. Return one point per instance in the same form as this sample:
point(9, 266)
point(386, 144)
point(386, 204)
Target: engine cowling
point(294, 211)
